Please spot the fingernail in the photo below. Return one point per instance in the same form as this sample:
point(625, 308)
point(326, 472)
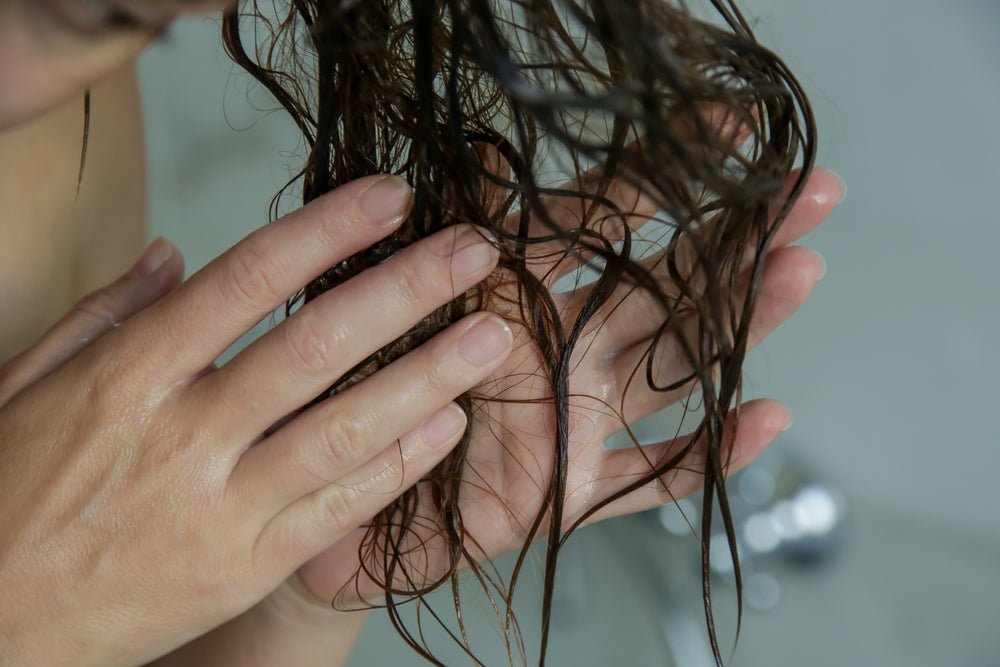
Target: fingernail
point(486, 340)
point(387, 200)
point(156, 255)
point(822, 261)
point(472, 253)
point(443, 426)
point(840, 182)
point(789, 420)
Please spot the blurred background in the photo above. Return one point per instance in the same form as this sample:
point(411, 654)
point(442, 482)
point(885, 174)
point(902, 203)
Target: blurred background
point(891, 369)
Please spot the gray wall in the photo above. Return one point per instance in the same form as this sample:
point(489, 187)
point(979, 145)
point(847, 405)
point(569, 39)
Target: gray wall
point(892, 369)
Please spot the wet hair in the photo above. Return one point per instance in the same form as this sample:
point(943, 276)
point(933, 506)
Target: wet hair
point(478, 104)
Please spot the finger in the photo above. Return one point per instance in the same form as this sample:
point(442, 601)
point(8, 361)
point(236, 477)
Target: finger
point(594, 201)
point(607, 209)
point(713, 129)
point(495, 171)
point(327, 444)
point(633, 315)
point(198, 321)
point(822, 193)
point(334, 511)
point(609, 206)
point(716, 131)
point(789, 278)
point(619, 201)
point(760, 421)
point(307, 352)
point(159, 270)
point(565, 208)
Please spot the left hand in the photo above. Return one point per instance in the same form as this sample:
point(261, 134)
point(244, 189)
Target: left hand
point(510, 453)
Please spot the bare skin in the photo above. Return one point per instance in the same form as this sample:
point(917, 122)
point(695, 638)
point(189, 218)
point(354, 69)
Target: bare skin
point(56, 245)
point(127, 460)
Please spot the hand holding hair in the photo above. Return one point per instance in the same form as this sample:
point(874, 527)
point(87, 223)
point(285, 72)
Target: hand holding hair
point(143, 505)
point(298, 620)
point(663, 121)
point(512, 434)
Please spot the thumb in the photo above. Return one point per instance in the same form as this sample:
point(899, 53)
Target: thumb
point(159, 270)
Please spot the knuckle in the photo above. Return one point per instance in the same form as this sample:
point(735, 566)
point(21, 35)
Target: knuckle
point(253, 275)
point(412, 280)
point(331, 217)
point(339, 508)
point(100, 306)
point(172, 450)
point(441, 371)
point(102, 395)
point(312, 349)
point(341, 444)
point(110, 396)
point(424, 271)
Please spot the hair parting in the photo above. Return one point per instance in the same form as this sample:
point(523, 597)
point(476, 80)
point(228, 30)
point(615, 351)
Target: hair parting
point(683, 127)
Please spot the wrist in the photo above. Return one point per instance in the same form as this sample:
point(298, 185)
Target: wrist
point(289, 627)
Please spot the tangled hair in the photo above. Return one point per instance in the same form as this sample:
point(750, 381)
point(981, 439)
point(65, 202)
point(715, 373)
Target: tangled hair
point(476, 103)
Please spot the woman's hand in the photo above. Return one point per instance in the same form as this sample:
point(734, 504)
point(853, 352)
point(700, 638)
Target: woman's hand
point(142, 505)
point(296, 624)
point(509, 460)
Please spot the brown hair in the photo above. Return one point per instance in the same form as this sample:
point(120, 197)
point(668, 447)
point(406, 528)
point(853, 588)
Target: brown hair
point(470, 100)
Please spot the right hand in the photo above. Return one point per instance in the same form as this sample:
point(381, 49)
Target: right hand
point(131, 521)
